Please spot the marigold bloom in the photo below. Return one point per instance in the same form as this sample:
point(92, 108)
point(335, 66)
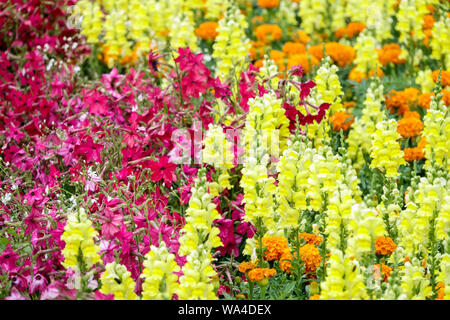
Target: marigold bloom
point(290, 48)
point(428, 21)
point(386, 270)
point(410, 126)
point(390, 53)
point(445, 77)
point(207, 30)
point(352, 29)
point(285, 261)
point(315, 297)
point(311, 238)
point(401, 100)
point(307, 62)
point(411, 154)
point(341, 120)
point(259, 274)
point(349, 104)
point(247, 266)
point(268, 32)
point(301, 36)
point(357, 76)
point(268, 4)
point(275, 246)
point(342, 54)
point(311, 257)
point(384, 246)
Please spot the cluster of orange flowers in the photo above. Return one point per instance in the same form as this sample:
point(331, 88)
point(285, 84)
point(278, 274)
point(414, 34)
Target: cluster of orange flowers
point(386, 270)
point(341, 120)
point(259, 274)
point(268, 33)
point(445, 77)
point(311, 257)
point(351, 30)
point(247, 266)
point(275, 246)
point(357, 76)
point(268, 4)
point(342, 54)
point(401, 100)
point(417, 153)
point(311, 238)
point(384, 246)
point(424, 99)
point(390, 53)
point(207, 30)
point(428, 22)
point(410, 125)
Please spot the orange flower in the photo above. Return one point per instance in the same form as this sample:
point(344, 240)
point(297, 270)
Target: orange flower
point(428, 21)
point(207, 30)
point(390, 53)
point(446, 97)
point(311, 257)
point(352, 29)
point(285, 261)
point(440, 287)
point(401, 100)
point(424, 100)
point(268, 4)
point(384, 246)
point(386, 270)
point(275, 247)
point(445, 77)
point(268, 32)
point(301, 36)
point(259, 63)
point(257, 19)
point(307, 62)
point(341, 120)
point(247, 266)
point(342, 54)
point(349, 104)
point(411, 154)
point(256, 50)
point(259, 274)
point(357, 76)
point(315, 297)
point(311, 238)
point(410, 125)
point(290, 48)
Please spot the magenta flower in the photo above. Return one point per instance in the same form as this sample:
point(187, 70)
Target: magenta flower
point(110, 223)
point(163, 170)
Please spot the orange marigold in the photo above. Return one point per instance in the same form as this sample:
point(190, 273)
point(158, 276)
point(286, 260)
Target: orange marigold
point(341, 120)
point(446, 97)
point(306, 61)
point(275, 246)
point(352, 29)
point(285, 261)
point(290, 48)
point(268, 4)
point(424, 100)
point(349, 104)
point(390, 53)
point(301, 36)
point(207, 30)
point(410, 126)
point(445, 77)
point(440, 287)
point(259, 274)
point(268, 32)
point(417, 153)
point(311, 238)
point(315, 297)
point(384, 246)
point(311, 257)
point(428, 21)
point(357, 76)
point(401, 100)
point(257, 50)
point(247, 266)
point(386, 270)
point(342, 54)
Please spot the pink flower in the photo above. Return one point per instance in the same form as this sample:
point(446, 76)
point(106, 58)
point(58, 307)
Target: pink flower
point(8, 258)
point(111, 224)
point(39, 283)
point(15, 295)
point(163, 170)
point(97, 102)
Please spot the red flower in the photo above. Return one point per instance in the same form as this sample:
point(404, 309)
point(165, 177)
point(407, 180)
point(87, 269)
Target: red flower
point(163, 169)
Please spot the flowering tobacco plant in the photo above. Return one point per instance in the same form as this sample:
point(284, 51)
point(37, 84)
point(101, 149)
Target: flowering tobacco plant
point(224, 150)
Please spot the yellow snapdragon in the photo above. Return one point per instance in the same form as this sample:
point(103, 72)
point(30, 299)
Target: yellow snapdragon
point(385, 151)
point(160, 282)
point(117, 280)
point(79, 238)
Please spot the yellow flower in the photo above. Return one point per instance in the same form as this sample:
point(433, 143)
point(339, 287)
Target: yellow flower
point(117, 280)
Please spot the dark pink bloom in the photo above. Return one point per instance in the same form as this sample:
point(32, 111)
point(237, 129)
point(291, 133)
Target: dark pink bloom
point(163, 170)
